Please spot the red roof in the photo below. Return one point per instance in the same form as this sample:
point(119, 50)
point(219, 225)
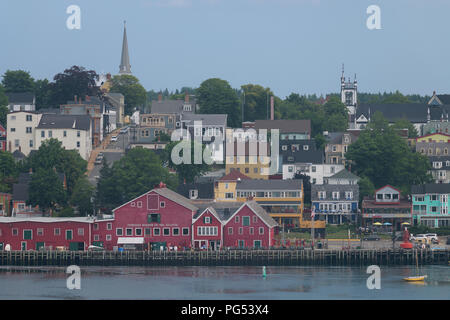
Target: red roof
point(233, 176)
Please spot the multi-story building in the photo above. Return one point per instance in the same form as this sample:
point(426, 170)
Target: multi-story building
point(21, 131)
point(94, 108)
point(440, 168)
point(310, 164)
point(337, 145)
point(155, 220)
point(337, 199)
point(387, 205)
point(433, 144)
point(431, 204)
point(74, 132)
point(288, 129)
point(250, 158)
point(210, 128)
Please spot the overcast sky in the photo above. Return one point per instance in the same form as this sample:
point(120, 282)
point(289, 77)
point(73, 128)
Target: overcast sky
point(287, 45)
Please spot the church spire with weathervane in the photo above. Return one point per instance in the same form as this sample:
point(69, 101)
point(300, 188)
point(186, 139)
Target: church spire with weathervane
point(125, 67)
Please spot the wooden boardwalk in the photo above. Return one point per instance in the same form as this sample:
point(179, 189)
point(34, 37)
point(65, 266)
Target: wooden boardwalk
point(324, 257)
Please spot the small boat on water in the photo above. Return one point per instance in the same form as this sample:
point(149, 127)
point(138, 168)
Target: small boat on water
point(417, 278)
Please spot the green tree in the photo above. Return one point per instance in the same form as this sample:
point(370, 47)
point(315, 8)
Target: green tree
point(82, 195)
point(137, 172)
point(396, 97)
point(257, 102)
point(366, 188)
point(18, 81)
point(186, 171)
point(3, 98)
point(74, 81)
point(215, 96)
point(9, 171)
point(406, 124)
point(46, 190)
point(51, 154)
point(43, 92)
point(3, 115)
point(382, 156)
point(134, 93)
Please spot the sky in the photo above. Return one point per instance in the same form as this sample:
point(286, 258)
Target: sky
point(288, 45)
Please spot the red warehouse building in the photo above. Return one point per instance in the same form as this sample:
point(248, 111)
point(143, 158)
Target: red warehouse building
point(45, 232)
point(157, 219)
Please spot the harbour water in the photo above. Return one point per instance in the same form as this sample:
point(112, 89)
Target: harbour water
point(210, 283)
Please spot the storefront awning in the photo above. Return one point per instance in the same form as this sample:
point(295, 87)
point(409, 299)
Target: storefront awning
point(130, 240)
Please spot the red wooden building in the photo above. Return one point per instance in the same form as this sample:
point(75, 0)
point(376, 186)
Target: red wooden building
point(157, 219)
point(250, 227)
point(207, 230)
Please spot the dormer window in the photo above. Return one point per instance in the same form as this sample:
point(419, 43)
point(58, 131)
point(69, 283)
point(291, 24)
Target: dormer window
point(187, 107)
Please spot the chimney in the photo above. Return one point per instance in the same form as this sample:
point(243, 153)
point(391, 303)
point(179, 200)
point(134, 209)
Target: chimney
point(31, 171)
point(271, 108)
point(75, 98)
point(160, 97)
point(186, 97)
point(88, 98)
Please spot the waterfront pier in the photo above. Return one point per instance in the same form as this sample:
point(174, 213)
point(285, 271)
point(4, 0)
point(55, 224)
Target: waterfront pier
point(319, 257)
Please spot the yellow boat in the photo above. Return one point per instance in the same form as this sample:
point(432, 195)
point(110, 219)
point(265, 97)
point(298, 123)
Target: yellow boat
point(417, 278)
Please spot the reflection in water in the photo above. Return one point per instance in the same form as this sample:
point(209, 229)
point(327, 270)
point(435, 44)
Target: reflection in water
point(221, 283)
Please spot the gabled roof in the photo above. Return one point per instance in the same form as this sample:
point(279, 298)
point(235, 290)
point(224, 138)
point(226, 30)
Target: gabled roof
point(18, 155)
point(175, 197)
point(171, 106)
point(344, 174)
point(259, 211)
point(20, 192)
point(234, 175)
point(58, 121)
point(20, 97)
point(337, 137)
point(444, 98)
point(285, 126)
point(167, 193)
point(414, 112)
point(200, 213)
point(207, 119)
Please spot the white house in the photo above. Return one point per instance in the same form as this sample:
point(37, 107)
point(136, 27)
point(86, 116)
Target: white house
point(20, 131)
point(316, 171)
point(23, 101)
point(74, 131)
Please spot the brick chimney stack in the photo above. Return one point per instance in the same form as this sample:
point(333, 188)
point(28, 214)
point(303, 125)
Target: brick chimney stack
point(160, 97)
point(186, 97)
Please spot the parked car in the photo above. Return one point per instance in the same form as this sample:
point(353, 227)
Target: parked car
point(419, 238)
point(98, 160)
point(124, 130)
point(372, 237)
point(113, 138)
point(432, 237)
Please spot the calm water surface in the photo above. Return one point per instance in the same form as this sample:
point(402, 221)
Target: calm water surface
point(222, 283)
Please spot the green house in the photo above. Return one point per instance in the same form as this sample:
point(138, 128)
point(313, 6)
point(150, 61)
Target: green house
point(431, 204)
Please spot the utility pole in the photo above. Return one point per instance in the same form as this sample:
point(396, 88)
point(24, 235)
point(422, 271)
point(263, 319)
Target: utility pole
point(243, 103)
point(312, 227)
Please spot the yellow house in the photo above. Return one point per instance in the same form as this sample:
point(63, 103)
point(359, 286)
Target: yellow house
point(248, 158)
point(434, 137)
point(283, 200)
point(225, 187)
